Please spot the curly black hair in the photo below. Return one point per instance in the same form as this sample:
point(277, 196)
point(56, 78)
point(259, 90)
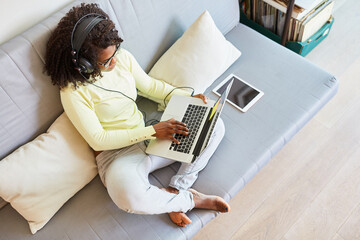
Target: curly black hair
point(58, 58)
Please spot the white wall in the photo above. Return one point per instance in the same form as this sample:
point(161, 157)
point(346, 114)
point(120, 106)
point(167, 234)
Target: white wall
point(18, 15)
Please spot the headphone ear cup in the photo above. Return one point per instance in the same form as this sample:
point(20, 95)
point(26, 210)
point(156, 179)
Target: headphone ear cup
point(85, 66)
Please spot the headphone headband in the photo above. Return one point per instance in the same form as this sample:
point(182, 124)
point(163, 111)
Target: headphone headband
point(82, 28)
point(79, 33)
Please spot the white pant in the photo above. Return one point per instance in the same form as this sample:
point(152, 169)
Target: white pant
point(125, 174)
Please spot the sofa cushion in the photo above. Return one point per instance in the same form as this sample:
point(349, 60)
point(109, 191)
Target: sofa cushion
point(198, 58)
point(39, 177)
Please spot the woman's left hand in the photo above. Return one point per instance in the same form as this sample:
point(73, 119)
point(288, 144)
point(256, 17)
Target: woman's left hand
point(201, 96)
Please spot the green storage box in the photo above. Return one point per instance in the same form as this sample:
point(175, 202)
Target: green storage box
point(302, 48)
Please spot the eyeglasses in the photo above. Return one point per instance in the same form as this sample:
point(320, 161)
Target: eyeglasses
point(107, 62)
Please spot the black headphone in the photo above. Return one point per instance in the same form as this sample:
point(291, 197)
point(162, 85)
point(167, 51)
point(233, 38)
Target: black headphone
point(79, 33)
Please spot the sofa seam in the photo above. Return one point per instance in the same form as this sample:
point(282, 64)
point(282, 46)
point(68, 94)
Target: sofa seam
point(119, 223)
point(22, 72)
point(7, 93)
point(151, 227)
point(93, 230)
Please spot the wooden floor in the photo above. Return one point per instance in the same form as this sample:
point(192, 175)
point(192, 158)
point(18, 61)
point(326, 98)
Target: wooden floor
point(311, 188)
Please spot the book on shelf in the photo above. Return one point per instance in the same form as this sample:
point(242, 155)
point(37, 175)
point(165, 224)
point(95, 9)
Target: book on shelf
point(280, 23)
point(269, 17)
point(273, 18)
point(282, 6)
point(311, 23)
point(301, 7)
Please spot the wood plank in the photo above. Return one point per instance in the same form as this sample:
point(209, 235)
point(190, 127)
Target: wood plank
point(349, 92)
point(337, 237)
point(351, 229)
point(338, 4)
point(332, 206)
point(290, 199)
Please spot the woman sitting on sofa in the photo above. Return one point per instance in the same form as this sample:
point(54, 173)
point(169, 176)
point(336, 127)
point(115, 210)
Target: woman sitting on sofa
point(98, 84)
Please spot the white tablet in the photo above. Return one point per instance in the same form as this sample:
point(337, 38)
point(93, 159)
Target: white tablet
point(242, 94)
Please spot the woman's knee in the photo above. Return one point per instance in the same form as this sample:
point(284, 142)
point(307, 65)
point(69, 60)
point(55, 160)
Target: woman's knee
point(128, 195)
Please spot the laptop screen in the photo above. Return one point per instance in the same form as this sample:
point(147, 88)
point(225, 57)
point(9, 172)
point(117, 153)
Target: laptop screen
point(219, 104)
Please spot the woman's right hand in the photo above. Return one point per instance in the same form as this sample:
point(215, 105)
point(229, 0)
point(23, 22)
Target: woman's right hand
point(166, 129)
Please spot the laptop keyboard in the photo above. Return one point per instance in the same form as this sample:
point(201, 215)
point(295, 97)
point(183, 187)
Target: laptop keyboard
point(193, 117)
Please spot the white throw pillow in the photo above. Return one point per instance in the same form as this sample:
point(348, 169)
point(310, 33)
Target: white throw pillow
point(39, 177)
point(198, 58)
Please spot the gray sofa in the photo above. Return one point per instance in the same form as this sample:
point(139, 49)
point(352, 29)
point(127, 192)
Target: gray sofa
point(295, 90)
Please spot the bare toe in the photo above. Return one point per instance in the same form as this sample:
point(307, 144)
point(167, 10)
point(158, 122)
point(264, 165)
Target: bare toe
point(179, 218)
point(210, 202)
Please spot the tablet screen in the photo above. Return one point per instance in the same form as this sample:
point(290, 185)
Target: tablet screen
point(241, 93)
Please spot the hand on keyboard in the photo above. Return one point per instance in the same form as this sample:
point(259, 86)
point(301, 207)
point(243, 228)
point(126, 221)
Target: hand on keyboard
point(166, 129)
point(192, 118)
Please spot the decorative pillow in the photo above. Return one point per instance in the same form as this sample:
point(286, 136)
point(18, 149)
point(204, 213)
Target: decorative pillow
point(39, 177)
point(197, 58)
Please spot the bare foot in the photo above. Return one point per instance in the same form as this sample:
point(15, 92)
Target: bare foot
point(209, 202)
point(179, 218)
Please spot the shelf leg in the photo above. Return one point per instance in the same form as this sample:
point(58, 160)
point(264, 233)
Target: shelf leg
point(289, 11)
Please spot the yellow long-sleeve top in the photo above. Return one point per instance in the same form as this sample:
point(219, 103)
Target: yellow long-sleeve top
point(109, 120)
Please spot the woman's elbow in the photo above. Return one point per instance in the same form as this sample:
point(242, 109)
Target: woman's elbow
point(95, 144)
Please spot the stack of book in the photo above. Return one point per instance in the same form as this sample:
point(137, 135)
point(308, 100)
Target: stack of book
point(307, 18)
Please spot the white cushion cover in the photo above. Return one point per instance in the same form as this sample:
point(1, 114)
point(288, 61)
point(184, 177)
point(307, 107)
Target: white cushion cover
point(197, 58)
point(39, 177)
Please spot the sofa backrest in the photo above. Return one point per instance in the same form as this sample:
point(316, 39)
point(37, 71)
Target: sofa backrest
point(29, 103)
point(149, 28)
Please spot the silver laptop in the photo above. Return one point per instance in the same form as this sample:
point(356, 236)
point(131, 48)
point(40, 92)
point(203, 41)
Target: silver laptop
point(200, 119)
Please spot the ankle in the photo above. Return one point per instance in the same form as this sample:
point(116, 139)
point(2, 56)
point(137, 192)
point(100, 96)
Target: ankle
point(171, 190)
